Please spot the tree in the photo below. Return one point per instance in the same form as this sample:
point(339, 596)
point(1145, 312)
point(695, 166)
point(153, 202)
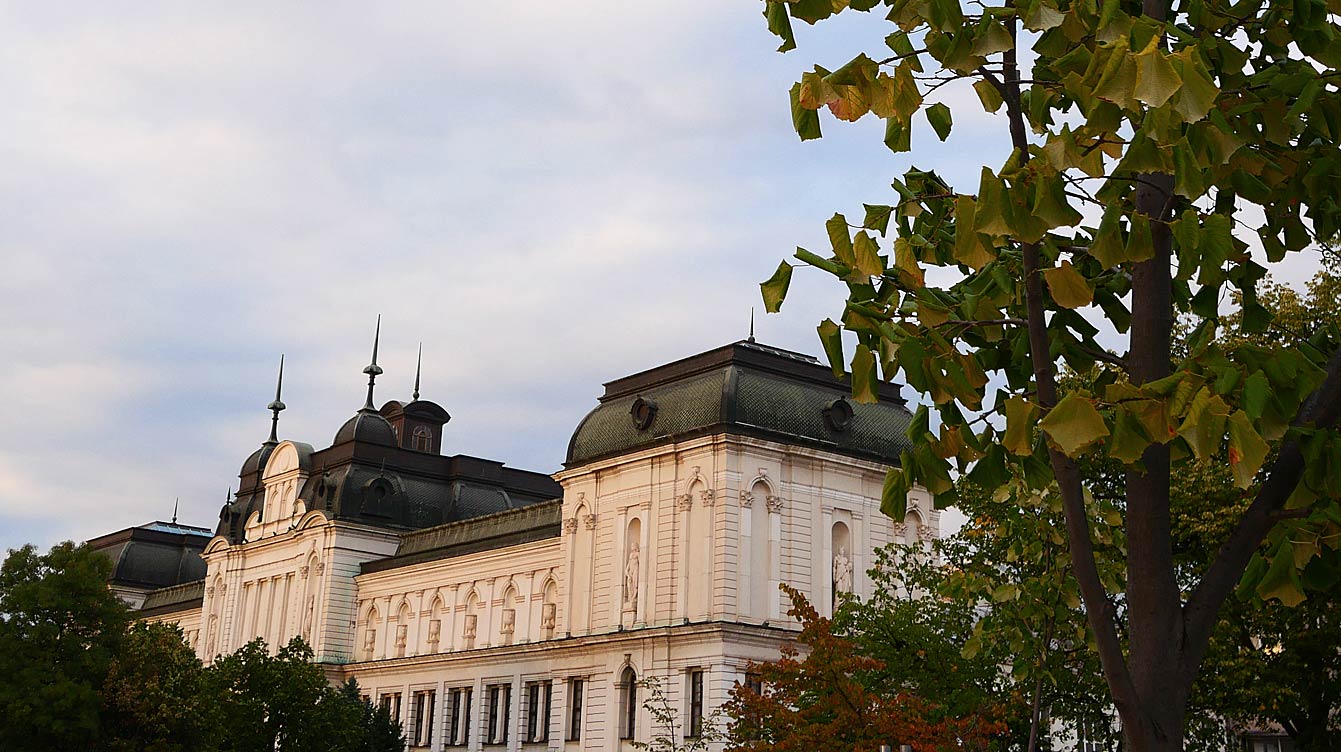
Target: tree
point(833, 699)
point(153, 698)
point(60, 627)
point(1186, 118)
point(283, 702)
point(666, 735)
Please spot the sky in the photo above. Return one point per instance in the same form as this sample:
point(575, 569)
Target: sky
point(548, 196)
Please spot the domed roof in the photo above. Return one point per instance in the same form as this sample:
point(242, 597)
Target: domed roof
point(256, 461)
point(743, 388)
point(367, 427)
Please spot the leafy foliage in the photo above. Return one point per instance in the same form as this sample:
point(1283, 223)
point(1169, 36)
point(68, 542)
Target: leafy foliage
point(666, 724)
point(80, 675)
point(834, 699)
point(1173, 123)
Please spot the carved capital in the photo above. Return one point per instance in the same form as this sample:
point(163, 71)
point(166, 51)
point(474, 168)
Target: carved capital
point(684, 502)
point(302, 571)
point(746, 499)
point(926, 533)
point(900, 529)
point(774, 504)
point(209, 591)
point(708, 496)
point(570, 525)
point(589, 520)
point(321, 568)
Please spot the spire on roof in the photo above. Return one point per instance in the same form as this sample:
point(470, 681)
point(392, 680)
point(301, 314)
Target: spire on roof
point(275, 406)
point(174, 509)
point(418, 365)
point(373, 370)
point(751, 339)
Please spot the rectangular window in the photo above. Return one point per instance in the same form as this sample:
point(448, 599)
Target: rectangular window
point(458, 717)
point(421, 718)
point(391, 701)
point(755, 683)
point(574, 710)
point(537, 711)
point(695, 703)
point(497, 713)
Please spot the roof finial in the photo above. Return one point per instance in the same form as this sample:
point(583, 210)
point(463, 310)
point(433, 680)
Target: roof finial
point(751, 339)
point(373, 370)
point(275, 406)
point(174, 509)
point(418, 364)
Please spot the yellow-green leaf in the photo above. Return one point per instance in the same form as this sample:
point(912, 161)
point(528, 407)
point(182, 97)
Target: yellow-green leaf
point(1204, 425)
point(865, 378)
point(969, 250)
point(774, 289)
point(1068, 287)
point(988, 95)
point(840, 240)
point(868, 256)
point(1074, 424)
point(1247, 449)
point(1021, 415)
point(910, 274)
point(1156, 80)
point(831, 337)
point(939, 117)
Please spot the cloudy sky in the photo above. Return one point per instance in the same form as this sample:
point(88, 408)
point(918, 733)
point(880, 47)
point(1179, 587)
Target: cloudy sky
point(547, 195)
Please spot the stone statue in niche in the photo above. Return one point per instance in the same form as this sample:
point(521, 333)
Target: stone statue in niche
point(631, 577)
point(212, 632)
point(402, 631)
point(548, 612)
point(842, 573)
point(369, 642)
point(468, 632)
point(434, 633)
point(307, 617)
point(509, 625)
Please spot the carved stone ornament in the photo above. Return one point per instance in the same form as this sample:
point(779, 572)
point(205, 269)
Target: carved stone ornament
point(684, 502)
point(209, 591)
point(471, 626)
point(570, 525)
point(509, 624)
point(321, 568)
point(548, 613)
point(302, 571)
point(223, 588)
point(926, 533)
point(708, 496)
point(774, 504)
point(589, 520)
point(746, 499)
point(900, 529)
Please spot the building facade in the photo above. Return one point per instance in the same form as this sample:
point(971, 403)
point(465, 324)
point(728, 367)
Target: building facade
point(494, 608)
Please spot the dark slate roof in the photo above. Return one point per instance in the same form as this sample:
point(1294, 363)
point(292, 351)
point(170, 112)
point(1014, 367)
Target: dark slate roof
point(743, 388)
point(367, 426)
point(181, 597)
point(483, 533)
point(155, 555)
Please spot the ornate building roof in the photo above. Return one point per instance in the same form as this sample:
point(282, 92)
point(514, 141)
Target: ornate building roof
point(744, 388)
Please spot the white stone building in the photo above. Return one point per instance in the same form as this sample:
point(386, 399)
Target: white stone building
point(495, 608)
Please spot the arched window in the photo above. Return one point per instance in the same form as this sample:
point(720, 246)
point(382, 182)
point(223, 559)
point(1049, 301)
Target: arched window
point(421, 440)
point(628, 703)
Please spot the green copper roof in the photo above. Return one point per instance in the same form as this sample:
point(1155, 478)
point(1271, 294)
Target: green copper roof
point(743, 388)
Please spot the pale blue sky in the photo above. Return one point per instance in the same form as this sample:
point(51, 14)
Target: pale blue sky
point(548, 195)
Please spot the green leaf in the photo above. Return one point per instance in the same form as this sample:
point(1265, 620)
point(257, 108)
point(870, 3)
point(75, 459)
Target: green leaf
point(805, 121)
point(1074, 424)
point(1256, 390)
point(1247, 449)
point(1129, 440)
point(910, 274)
point(1204, 425)
point(894, 495)
point(988, 94)
point(1198, 92)
point(867, 254)
point(877, 217)
point(1021, 416)
point(775, 288)
point(969, 249)
point(831, 337)
point(1281, 580)
point(939, 117)
point(898, 135)
point(780, 24)
point(1156, 79)
point(840, 240)
point(1068, 287)
point(1007, 592)
point(865, 378)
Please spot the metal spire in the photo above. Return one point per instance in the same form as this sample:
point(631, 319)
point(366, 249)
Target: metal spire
point(275, 406)
point(418, 365)
point(174, 509)
point(751, 339)
point(373, 370)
